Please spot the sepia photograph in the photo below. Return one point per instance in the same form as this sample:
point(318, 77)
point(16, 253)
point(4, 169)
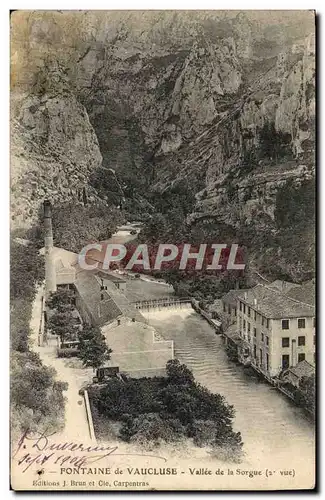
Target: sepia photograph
point(162, 250)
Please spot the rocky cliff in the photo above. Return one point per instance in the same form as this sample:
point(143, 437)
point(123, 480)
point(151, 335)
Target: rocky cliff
point(54, 147)
point(225, 101)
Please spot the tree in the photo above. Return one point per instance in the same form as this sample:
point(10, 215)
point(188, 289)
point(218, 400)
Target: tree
point(37, 401)
point(62, 322)
point(178, 373)
point(26, 269)
point(155, 229)
point(61, 300)
point(75, 226)
point(169, 409)
point(93, 350)
point(151, 427)
point(307, 393)
point(274, 144)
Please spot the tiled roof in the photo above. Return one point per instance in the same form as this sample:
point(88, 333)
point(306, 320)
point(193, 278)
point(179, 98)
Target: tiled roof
point(274, 304)
point(283, 286)
point(232, 333)
point(231, 330)
point(103, 305)
point(101, 311)
point(231, 296)
point(304, 293)
point(115, 278)
point(302, 369)
point(126, 308)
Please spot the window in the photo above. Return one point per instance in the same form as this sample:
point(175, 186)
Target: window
point(255, 315)
point(285, 324)
point(261, 356)
point(285, 341)
point(285, 361)
point(301, 357)
point(262, 337)
point(255, 333)
point(240, 306)
point(244, 325)
point(267, 362)
point(301, 323)
point(248, 327)
point(255, 352)
point(244, 309)
point(302, 340)
point(235, 311)
point(229, 310)
point(249, 311)
point(262, 320)
point(267, 340)
point(267, 323)
point(224, 308)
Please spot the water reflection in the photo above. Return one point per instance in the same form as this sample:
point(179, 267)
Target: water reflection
point(271, 426)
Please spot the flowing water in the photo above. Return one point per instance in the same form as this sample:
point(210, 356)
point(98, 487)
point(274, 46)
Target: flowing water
point(273, 429)
point(271, 426)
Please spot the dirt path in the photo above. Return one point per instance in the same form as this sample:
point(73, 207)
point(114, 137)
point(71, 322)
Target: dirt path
point(76, 424)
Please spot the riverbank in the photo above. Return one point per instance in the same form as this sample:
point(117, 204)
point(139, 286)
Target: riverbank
point(274, 430)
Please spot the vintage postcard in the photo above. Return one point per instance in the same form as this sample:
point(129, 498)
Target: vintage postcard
point(163, 250)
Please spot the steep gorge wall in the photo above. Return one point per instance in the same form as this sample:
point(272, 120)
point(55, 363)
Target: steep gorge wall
point(162, 98)
point(228, 187)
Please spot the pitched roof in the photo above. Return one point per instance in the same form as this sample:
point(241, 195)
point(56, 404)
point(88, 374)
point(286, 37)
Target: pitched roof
point(115, 278)
point(232, 334)
point(121, 301)
point(274, 304)
point(283, 286)
point(100, 306)
point(65, 257)
point(103, 306)
point(302, 369)
point(304, 293)
point(231, 296)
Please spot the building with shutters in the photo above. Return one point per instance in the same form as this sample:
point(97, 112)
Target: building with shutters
point(275, 325)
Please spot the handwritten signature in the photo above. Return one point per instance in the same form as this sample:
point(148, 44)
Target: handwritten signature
point(43, 450)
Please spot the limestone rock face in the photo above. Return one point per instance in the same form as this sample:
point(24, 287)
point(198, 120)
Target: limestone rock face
point(289, 103)
point(164, 98)
point(54, 150)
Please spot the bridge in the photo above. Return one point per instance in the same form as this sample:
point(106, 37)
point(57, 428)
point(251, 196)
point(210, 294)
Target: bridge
point(165, 303)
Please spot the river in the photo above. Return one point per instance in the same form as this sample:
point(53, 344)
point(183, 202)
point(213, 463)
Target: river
point(270, 424)
point(273, 429)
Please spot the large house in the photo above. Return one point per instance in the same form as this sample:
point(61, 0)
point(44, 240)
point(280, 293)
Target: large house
point(276, 326)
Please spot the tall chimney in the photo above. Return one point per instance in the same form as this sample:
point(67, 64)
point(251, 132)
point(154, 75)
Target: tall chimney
point(50, 277)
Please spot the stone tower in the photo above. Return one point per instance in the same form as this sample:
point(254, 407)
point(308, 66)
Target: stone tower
point(50, 277)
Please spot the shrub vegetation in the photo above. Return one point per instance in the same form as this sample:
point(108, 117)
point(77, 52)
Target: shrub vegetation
point(36, 398)
point(159, 409)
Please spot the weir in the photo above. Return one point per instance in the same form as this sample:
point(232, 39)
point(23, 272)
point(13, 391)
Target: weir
point(162, 304)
